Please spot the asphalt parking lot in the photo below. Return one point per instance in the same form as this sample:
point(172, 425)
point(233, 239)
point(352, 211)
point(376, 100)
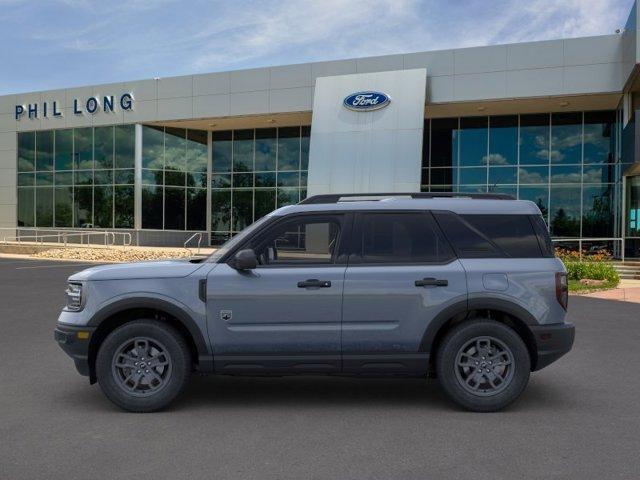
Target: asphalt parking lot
point(579, 418)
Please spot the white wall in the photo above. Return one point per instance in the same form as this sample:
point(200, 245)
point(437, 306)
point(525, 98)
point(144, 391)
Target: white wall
point(367, 151)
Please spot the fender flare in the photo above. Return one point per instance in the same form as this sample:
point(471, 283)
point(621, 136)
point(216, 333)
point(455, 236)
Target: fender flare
point(155, 303)
point(464, 307)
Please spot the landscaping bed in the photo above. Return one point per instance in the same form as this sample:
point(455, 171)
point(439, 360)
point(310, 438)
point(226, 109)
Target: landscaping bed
point(115, 254)
point(590, 272)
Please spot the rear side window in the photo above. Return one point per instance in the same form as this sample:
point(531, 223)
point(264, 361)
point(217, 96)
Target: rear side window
point(513, 234)
point(401, 238)
point(543, 235)
point(476, 236)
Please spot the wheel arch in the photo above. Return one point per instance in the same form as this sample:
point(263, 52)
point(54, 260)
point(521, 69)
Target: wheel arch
point(123, 311)
point(503, 311)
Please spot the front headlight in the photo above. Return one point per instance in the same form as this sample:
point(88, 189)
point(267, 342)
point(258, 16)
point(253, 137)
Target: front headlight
point(74, 297)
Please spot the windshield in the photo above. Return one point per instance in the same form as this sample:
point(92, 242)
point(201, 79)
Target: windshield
point(237, 240)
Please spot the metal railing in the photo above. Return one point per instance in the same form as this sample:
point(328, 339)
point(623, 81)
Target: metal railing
point(581, 241)
point(85, 238)
point(197, 235)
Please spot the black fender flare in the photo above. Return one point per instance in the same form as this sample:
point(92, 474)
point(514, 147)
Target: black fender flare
point(464, 307)
point(204, 354)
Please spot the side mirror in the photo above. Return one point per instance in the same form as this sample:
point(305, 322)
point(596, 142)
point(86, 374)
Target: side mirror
point(245, 260)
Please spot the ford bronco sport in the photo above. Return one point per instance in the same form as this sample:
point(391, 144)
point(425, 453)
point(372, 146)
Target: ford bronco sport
point(464, 287)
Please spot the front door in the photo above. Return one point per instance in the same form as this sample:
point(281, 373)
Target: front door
point(286, 314)
point(402, 273)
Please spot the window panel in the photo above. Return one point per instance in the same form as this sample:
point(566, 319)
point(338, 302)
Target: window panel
point(174, 203)
point(288, 179)
point(222, 148)
point(125, 146)
point(242, 210)
point(221, 210)
point(402, 238)
point(534, 139)
point(572, 174)
point(196, 209)
point(63, 158)
point(175, 150)
point(173, 178)
point(513, 234)
point(533, 174)
point(123, 200)
point(63, 178)
point(265, 202)
point(472, 176)
point(599, 137)
point(197, 152)
point(241, 180)
point(598, 211)
point(502, 175)
point(44, 150)
point(503, 140)
point(473, 141)
point(44, 207)
point(44, 179)
point(26, 207)
point(221, 181)
point(83, 148)
point(26, 152)
point(566, 138)
point(307, 241)
point(304, 147)
point(152, 177)
point(289, 148)
point(103, 147)
point(103, 177)
point(83, 206)
point(63, 198)
point(605, 173)
point(84, 177)
point(103, 207)
point(265, 179)
point(123, 177)
point(564, 211)
point(444, 142)
point(26, 179)
point(288, 196)
point(152, 197)
point(197, 179)
point(152, 147)
point(243, 150)
point(266, 147)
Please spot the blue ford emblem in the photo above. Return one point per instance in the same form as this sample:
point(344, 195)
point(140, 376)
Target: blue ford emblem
point(364, 101)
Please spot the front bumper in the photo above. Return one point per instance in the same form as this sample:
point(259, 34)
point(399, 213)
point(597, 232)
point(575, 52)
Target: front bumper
point(75, 342)
point(552, 341)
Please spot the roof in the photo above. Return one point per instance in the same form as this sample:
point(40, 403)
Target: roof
point(462, 205)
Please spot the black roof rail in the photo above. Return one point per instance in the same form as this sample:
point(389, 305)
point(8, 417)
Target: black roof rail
point(336, 197)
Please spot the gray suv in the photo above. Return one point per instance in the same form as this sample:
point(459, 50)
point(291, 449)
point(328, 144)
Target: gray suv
point(462, 287)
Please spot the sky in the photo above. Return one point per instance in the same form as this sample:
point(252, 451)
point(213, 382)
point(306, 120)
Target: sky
point(50, 44)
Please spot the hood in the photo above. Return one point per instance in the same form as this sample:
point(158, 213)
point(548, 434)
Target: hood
point(139, 270)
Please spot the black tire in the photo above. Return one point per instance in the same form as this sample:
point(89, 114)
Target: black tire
point(134, 390)
point(476, 391)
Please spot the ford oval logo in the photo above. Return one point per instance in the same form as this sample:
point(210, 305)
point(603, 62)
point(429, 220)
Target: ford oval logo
point(365, 101)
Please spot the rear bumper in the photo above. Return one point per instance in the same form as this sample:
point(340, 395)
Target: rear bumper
point(74, 345)
point(553, 341)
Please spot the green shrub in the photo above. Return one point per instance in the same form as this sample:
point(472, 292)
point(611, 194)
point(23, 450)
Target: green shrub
point(592, 270)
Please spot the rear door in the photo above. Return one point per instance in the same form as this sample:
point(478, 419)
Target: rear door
point(402, 272)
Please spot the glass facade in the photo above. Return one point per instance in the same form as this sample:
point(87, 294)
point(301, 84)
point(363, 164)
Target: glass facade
point(254, 172)
point(174, 178)
point(567, 163)
point(77, 177)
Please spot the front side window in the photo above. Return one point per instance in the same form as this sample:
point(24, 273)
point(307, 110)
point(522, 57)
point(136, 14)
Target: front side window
point(299, 242)
point(401, 238)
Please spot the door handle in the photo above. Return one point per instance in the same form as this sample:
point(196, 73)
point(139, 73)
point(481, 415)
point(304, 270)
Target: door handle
point(312, 282)
point(431, 282)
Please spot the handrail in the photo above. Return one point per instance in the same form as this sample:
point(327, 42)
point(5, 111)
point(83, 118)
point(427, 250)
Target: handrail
point(197, 234)
point(580, 241)
point(106, 238)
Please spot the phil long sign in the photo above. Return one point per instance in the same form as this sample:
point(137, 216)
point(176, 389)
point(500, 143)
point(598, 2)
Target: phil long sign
point(91, 105)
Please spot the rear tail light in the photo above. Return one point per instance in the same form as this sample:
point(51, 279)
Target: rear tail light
point(562, 289)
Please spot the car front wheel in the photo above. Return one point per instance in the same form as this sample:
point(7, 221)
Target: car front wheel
point(143, 365)
point(483, 365)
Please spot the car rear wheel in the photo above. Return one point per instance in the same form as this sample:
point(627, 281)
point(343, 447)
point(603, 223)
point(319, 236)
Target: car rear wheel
point(483, 365)
point(143, 365)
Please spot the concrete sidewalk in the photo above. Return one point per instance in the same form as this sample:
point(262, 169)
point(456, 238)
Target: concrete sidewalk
point(627, 291)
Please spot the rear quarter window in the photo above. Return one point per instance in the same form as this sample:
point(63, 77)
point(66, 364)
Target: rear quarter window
point(491, 236)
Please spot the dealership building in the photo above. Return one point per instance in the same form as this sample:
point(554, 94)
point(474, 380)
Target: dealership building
point(550, 121)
